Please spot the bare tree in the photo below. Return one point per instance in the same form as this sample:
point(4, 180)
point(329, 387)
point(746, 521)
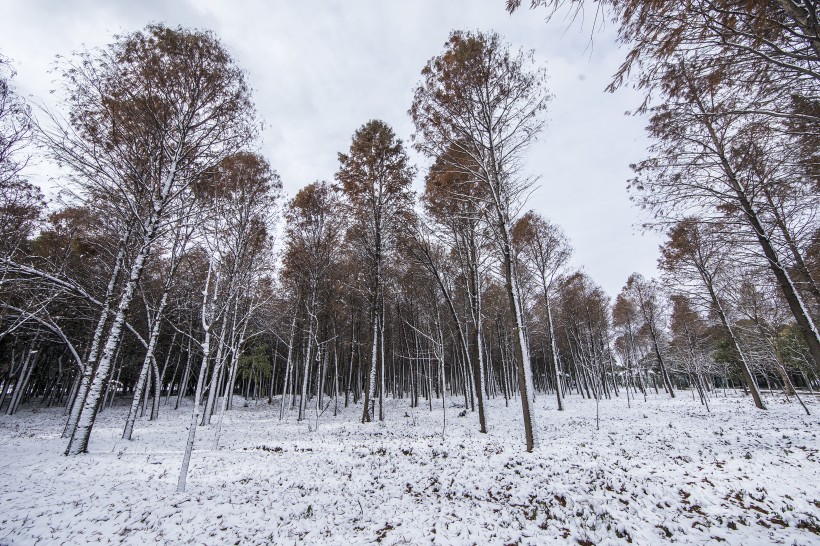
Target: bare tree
point(647, 299)
point(738, 84)
point(455, 202)
point(313, 237)
point(20, 202)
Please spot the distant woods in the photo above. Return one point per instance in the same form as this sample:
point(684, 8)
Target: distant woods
point(156, 277)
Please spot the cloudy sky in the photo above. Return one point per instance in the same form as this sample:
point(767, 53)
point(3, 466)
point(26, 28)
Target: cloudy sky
point(320, 69)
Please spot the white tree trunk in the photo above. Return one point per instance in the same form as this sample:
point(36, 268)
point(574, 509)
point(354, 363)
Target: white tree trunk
point(96, 341)
point(79, 440)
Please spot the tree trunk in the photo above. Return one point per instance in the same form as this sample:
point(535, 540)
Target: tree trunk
point(522, 356)
point(744, 365)
point(79, 440)
point(554, 353)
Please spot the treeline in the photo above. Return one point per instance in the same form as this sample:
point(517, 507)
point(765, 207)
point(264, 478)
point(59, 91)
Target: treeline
point(155, 278)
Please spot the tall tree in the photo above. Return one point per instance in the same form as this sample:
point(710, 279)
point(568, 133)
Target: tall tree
point(486, 102)
point(712, 161)
point(689, 337)
point(738, 82)
point(625, 319)
point(147, 116)
point(454, 200)
point(375, 176)
point(545, 250)
point(694, 249)
point(242, 192)
point(647, 298)
point(313, 238)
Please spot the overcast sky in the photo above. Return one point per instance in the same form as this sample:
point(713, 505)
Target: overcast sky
point(320, 69)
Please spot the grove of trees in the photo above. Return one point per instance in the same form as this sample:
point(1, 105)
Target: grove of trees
point(172, 267)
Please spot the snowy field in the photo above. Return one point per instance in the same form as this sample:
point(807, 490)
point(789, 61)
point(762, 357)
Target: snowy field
point(661, 472)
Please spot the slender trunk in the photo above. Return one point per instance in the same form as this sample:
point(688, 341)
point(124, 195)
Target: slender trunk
point(236, 350)
point(335, 381)
point(288, 368)
point(160, 380)
point(476, 358)
point(381, 364)
point(370, 390)
point(664, 374)
point(91, 361)
point(308, 355)
point(173, 377)
point(79, 440)
point(554, 353)
point(522, 356)
point(146, 364)
point(189, 445)
point(21, 375)
point(207, 324)
point(216, 376)
point(183, 385)
point(748, 376)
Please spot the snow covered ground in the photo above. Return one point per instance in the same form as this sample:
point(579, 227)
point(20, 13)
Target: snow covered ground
point(664, 471)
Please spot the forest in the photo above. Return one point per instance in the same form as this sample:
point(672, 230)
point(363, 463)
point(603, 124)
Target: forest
point(173, 301)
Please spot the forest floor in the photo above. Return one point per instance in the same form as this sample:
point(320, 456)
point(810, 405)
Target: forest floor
point(662, 471)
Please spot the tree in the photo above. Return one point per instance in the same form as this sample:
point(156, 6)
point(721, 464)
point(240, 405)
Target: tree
point(487, 103)
point(20, 202)
point(546, 250)
point(375, 176)
point(762, 323)
point(313, 238)
point(767, 40)
point(689, 342)
point(728, 167)
point(241, 191)
point(583, 314)
point(737, 122)
point(694, 249)
point(625, 319)
point(15, 126)
point(155, 320)
point(455, 201)
point(147, 116)
point(646, 297)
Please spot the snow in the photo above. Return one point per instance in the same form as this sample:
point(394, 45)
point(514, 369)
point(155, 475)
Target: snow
point(664, 471)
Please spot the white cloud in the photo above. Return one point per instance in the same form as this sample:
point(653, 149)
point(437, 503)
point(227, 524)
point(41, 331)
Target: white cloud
point(321, 69)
